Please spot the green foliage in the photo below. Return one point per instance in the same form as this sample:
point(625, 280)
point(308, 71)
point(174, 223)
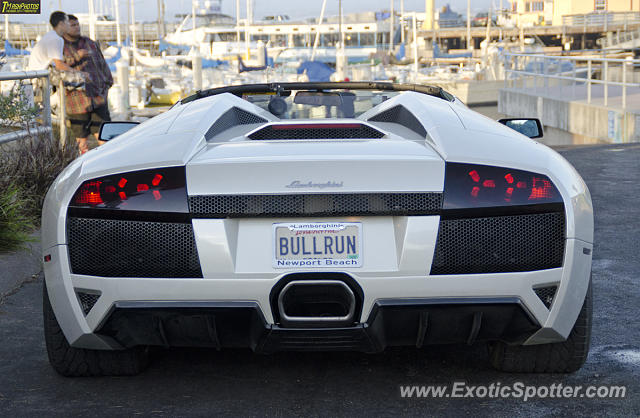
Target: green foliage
point(14, 223)
point(15, 108)
point(32, 164)
point(27, 168)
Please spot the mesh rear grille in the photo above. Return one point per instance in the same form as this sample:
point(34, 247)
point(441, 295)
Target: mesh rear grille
point(353, 131)
point(400, 115)
point(87, 301)
point(116, 248)
point(546, 294)
point(500, 244)
point(362, 204)
point(232, 117)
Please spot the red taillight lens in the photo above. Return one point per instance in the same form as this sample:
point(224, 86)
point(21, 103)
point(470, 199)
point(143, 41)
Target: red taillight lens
point(542, 189)
point(470, 185)
point(89, 194)
point(162, 190)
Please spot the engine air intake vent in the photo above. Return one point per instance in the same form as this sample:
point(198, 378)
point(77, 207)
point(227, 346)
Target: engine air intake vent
point(359, 204)
point(500, 244)
point(546, 294)
point(118, 248)
point(317, 131)
point(400, 115)
point(87, 301)
point(232, 117)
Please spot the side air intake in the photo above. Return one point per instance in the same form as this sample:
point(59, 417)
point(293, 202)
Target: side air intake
point(232, 117)
point(546, 294)
point(87, 299)
point(400, 115)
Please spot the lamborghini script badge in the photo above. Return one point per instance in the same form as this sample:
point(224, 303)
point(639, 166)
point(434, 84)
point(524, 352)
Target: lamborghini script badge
point(297, 184)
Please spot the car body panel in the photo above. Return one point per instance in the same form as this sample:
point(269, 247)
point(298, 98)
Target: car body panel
point(236, 254)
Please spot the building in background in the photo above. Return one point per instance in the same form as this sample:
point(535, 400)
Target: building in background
point(550, 12)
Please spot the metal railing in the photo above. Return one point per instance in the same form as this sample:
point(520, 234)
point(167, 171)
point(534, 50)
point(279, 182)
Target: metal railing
point(604, 19)
point(586, 78)
point(614, 40)
point(46, 127)
point(23, 33)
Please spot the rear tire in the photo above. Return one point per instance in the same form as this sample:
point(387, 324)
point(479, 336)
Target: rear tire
point(564, 357)
point(73, 362)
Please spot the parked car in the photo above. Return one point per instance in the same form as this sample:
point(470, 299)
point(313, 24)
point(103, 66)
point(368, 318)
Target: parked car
point(318, 216)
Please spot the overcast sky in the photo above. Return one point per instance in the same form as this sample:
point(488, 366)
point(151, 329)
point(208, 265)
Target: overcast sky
point(147, 9)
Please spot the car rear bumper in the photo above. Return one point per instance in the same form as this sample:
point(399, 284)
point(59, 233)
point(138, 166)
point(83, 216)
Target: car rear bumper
point(392, 323)
point(391, 311)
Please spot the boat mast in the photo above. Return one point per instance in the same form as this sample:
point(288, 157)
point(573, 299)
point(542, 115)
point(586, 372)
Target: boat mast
point(161, 28)
point(116, 7)
point(193, 21)
point(128, 25)
point(316, 41)
point(92, 21)
point(391, 28)
point(415, 48)
point(340, 23)
point(134, 35)
point(402, 21)
point(246, 30)
point(237, 20)
point(469, 46)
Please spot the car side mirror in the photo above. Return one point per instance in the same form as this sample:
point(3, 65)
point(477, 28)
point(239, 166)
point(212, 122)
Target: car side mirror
point(109, 130)
point(530, 127)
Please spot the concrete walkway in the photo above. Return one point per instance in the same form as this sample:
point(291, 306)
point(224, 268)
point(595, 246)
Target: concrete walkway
point(20, 267)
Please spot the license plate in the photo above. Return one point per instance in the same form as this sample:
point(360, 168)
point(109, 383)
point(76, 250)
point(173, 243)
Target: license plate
point(317, 244)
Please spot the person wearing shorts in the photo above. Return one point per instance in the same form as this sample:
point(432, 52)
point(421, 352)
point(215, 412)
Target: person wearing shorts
point(85, 124)
point(88, 108)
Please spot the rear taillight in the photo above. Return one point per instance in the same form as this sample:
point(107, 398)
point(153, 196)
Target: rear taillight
point(156, 190)
point(478, 186)
point(89, 194)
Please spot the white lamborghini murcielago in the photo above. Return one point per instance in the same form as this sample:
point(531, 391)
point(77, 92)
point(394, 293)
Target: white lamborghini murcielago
point(318, 216)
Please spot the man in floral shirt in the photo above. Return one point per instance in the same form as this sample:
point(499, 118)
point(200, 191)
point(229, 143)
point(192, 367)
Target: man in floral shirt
point(86, 109)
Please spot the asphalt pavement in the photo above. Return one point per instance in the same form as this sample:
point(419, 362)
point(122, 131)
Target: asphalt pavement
point(239, 383)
